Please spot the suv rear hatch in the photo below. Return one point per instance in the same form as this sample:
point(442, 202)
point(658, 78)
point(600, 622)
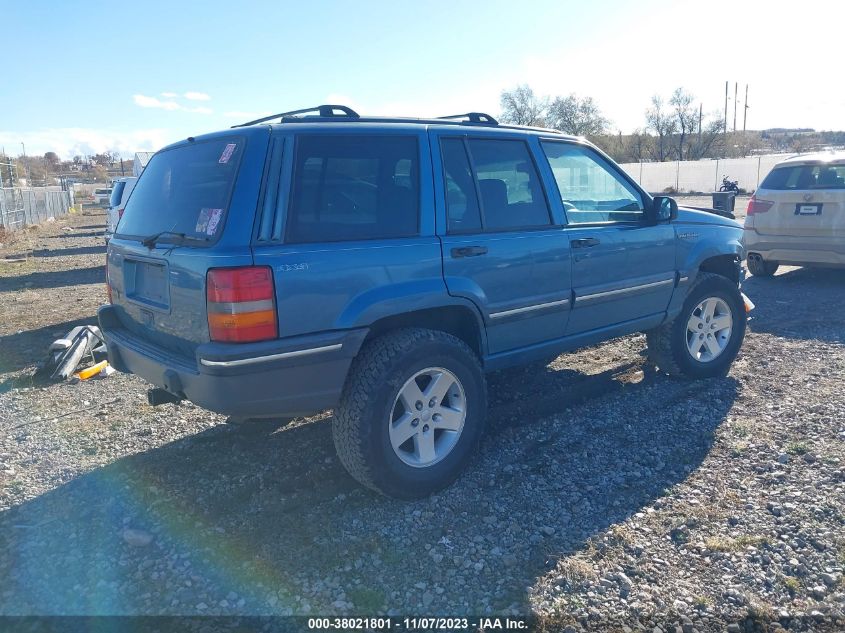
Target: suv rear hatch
point(807, 200)
point(191, 210)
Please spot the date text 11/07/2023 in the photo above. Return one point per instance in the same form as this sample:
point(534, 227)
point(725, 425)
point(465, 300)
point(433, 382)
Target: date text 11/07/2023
point(419, 623)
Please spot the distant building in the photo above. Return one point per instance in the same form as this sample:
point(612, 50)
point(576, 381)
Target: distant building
point(141, 160)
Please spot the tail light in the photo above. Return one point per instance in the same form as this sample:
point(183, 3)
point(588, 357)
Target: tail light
point(240, 301)
point(119, 214)
point(758, 206)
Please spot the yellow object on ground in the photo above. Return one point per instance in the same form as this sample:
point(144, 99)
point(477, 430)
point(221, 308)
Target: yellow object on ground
point(85, 374)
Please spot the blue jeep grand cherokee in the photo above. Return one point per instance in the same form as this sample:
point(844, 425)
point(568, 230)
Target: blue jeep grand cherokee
point(380, 267)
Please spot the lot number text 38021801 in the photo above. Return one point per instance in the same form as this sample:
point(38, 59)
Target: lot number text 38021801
point(419, 623)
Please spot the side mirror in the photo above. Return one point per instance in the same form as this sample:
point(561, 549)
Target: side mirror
point(663, 209)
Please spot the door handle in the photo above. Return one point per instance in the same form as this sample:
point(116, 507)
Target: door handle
point(469, 251)
point(585, 242)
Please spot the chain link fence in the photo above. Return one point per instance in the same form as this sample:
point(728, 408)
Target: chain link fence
point(21, 206)
point(702, 176)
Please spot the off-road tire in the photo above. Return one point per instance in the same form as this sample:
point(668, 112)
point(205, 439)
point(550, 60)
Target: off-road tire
point(667, 344)
point(759, 267)
point(360, 425)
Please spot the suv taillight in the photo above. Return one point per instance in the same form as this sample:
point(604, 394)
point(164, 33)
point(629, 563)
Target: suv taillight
point(240, 302)
point(119, 214)
point(758, 206)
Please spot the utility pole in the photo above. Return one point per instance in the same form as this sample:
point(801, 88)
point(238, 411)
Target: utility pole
point(736, 89)
point(745, 109)
point(726, 108)
point(700, 115)
point(23, 160)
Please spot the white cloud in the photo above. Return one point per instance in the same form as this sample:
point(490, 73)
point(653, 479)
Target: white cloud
point(197, 96)
point(169, 95)
point(68, 142)
point(152, 102)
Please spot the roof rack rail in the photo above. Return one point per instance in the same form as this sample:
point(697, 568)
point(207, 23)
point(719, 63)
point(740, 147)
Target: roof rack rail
point(325, 111)
point(473, 117)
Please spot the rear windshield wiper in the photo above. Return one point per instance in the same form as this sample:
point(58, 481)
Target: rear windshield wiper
point(150, 241)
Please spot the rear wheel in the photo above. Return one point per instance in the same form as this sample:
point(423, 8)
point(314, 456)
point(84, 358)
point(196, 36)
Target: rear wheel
point(703, 340)
point(411, 413)
point(759, 267)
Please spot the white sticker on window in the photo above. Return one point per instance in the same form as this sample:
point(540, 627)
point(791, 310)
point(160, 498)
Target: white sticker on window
point(227, 153)
point(202, 221)
point(213, 220)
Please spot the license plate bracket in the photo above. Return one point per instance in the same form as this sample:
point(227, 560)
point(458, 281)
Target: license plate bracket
point(814, 208)
point(147, 283)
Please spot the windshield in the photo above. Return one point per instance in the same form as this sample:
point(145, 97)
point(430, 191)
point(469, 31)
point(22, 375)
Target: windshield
point(185, 190)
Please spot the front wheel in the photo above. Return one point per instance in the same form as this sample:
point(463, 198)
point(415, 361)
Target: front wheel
point(703, 340)
point(411, 413)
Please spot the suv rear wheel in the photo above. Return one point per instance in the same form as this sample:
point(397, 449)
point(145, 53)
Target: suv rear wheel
point(759, 267)
point(703, 340)
point(411, 413)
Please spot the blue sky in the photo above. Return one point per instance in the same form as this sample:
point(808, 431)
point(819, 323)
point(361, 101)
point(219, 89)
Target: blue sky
point(93, 75)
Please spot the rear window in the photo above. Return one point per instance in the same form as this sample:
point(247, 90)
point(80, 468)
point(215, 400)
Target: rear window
point(354, 188)
point(116, 193)
point(510, 189)
point(185, 190)
point(822, 176)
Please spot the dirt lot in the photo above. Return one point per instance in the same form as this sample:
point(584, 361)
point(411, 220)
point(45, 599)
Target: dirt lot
point(604, 493)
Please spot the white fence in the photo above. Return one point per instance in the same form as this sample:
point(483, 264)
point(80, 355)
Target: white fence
point(20, 206)
point(690, 176)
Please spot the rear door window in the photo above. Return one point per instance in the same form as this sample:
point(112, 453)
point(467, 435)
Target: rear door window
point(822, 176)
point(461, 195)
point(354, 188)
point(184, 190)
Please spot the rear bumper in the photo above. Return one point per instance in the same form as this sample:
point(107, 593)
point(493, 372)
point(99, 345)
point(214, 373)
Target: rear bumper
point(789, 249)
point(285, 377)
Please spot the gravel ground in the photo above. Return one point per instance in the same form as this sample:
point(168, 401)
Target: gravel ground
point(605, 495)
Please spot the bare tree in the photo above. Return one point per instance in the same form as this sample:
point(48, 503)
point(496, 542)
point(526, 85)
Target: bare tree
point(578, 116)
point(639, 146)
point(686, 117)
point(700, 145)
point(662, 123)
point(521, 106)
